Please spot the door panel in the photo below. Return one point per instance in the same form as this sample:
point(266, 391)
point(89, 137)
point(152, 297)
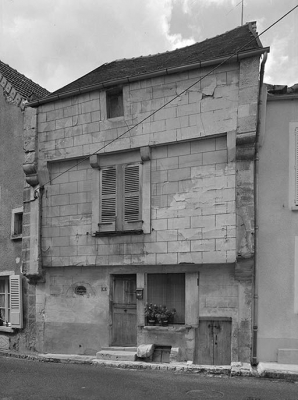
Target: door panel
point(205, 344)
point(213, 342)
point(124, 311)
point(222, 342)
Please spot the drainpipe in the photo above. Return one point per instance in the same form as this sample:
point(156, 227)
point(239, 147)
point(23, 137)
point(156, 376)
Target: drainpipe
point(260, 111)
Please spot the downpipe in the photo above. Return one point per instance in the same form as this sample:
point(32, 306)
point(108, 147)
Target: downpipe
point(261, 105)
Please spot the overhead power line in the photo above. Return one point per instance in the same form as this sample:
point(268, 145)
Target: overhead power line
point(170, 101)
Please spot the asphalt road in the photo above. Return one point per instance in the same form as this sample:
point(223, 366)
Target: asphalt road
point(24, 379)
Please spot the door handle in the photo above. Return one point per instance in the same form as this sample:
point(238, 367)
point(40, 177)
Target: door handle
point(125, 310)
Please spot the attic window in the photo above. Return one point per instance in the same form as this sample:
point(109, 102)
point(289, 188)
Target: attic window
point(115, 103)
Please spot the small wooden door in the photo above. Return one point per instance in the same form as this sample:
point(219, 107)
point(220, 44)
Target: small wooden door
point(124, 330)
point(214, 342)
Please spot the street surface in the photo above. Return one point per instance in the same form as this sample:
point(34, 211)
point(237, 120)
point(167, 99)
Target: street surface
point(33, 380)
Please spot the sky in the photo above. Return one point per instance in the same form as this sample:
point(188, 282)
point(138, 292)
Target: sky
point(54, 42)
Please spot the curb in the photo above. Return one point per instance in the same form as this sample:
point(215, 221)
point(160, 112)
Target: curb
point(235, 370)
point(175, 367)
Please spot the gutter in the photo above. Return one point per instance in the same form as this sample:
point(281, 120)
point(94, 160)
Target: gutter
point(167, 71)
point(277, 97)
point(262, 100)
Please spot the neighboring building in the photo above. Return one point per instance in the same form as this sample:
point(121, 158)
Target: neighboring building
point(277, 220)
point(15, 91)
point(140, 208)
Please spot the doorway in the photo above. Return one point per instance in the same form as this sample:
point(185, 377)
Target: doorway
point(214, 342)
point(124, 310)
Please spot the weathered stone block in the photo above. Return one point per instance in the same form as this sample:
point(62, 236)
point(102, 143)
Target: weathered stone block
point(145, 350)
point(55, 114)
point(181, 247)
point(167, 258)
point(175, 355)
point(216, 157)
point(179, 223)
point(63, 123)
point(179, 174)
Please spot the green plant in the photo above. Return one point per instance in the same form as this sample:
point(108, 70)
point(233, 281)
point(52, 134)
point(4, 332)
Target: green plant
point(150, 311)
point(164, 314)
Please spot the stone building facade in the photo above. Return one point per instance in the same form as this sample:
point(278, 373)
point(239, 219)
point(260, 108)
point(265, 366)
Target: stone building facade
point(15, 91)
point(144, 192)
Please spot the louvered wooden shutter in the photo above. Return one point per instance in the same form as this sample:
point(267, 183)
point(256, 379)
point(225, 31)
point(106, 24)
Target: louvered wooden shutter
point(16, 304)
point(132, 198)
point(108, 197)
point(296, 169)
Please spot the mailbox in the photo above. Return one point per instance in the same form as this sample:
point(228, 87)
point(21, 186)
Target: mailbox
point(139, 294)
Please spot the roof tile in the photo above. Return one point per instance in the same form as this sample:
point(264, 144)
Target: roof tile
point(28, 89)
point(223, 45)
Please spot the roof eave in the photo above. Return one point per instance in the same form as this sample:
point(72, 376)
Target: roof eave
point(277, 97)
point(167, 71)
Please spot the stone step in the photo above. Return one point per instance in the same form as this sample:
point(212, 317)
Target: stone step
point(116, 355)
point(119, 348)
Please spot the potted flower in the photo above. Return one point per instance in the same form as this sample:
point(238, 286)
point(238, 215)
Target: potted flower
point(165, 316)
point(150, 312)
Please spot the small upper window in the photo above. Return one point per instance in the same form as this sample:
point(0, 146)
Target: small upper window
point(17, 223)
point(115, 103)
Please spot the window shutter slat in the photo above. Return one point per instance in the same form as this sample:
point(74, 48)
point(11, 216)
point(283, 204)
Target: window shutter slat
point(16, 309)
point(131, 193)
point(108, 198)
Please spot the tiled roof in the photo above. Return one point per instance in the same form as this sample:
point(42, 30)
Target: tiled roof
point(282, 89)
point(220, 46)
point(28, 89)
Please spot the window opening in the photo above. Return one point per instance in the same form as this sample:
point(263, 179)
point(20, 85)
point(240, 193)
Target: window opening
point(115, 103)
point(168, 290)
point(17, 223)
point(4, 301)
point(80, 290)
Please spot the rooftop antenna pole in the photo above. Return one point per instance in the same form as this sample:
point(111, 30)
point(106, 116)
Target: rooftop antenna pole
point(241, 12)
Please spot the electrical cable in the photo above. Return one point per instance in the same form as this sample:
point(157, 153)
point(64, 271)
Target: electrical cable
point(170, 101)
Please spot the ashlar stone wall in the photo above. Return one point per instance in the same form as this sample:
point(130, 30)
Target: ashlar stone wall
point(192, 144)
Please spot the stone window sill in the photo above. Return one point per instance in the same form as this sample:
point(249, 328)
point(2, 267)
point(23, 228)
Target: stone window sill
point(16, 237)
point(169, 328)
point(8, 329)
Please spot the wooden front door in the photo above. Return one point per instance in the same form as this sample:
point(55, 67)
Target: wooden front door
point(124, 330)
point(214, 342)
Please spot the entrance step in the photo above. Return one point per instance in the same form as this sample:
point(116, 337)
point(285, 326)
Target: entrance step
point(119, 348)
point(117, 353)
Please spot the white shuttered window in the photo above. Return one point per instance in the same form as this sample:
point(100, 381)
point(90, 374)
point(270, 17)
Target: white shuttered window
point(11, 310)
point(293, 166)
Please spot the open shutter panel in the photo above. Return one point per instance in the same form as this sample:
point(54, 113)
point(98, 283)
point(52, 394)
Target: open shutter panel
point(132, 200)
point(16, 304)
point(108, 204)
point(296, 170)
